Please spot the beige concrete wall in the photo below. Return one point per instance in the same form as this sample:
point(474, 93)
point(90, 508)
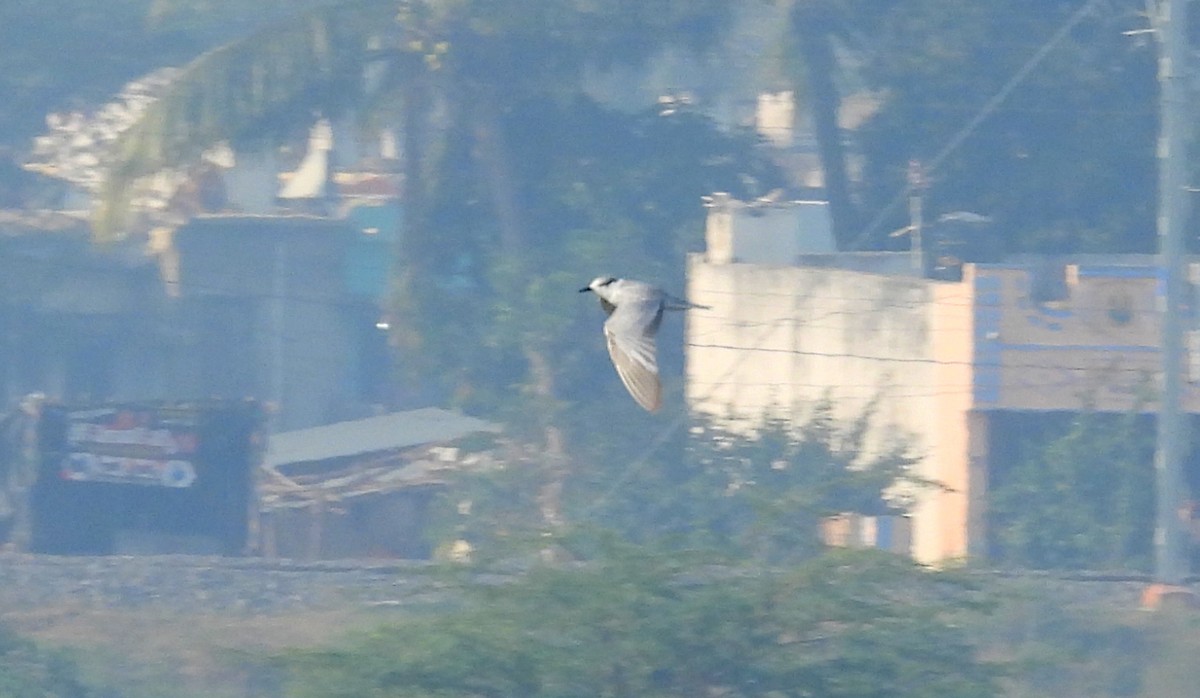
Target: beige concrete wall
point(937, 355)
point(941, 530)
point(1095, 346)
point(778, 339)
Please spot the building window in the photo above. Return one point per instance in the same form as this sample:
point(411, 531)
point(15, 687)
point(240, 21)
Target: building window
point(1048, 283)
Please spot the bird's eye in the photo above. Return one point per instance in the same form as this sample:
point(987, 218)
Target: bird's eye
point(607, 281)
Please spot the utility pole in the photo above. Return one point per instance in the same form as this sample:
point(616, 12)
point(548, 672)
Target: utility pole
point(1170, 559)
point(916, 192)
point(278, 325)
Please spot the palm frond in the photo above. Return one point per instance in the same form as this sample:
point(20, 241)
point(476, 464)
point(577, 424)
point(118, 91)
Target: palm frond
point(261, 84)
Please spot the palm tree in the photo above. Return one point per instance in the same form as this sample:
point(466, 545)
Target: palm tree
point(479, 49)
point(815, 24)
point(455, 68)
point(823, 33)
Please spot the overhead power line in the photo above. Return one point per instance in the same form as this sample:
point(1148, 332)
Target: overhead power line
point(984, 112)
point(953, 144)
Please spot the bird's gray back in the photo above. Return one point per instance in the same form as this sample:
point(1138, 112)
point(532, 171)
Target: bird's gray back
point(630, 291)
point(634, 318)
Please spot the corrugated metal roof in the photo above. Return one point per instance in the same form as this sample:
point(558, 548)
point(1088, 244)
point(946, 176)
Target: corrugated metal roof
point(371, 435)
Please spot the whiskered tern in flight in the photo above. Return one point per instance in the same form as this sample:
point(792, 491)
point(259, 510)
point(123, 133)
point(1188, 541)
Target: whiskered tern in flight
point(635, 310)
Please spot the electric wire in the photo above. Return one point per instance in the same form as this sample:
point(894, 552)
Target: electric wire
point(988, 108)
point(952, 145)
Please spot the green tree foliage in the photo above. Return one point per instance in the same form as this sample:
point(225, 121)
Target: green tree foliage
point(62, 54)
point(1056, 646)
point(818, 29)
point(251, 92)
point(27, 671)
point(1034, 164)
point(512, 177)
point(778, 485)
point(1065, 163)
point(470, 75)
point(1079, 494)
point(639, 623)
point(53, 52)
point(757, 496)
point(57, 55)
point(493, 52)
point(601, 192)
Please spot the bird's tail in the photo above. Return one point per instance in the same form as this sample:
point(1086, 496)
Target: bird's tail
point(672, 303)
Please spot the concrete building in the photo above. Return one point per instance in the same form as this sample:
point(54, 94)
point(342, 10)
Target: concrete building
point(264, 310)
point(940, 359)
point(275, 308)
point(76, 322)
point(226, 284)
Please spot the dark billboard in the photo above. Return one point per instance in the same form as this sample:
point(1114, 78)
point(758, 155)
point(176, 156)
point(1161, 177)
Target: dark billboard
point(115, 473)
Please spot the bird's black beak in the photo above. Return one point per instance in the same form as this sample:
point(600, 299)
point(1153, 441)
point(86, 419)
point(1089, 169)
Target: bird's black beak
point(585, 289)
